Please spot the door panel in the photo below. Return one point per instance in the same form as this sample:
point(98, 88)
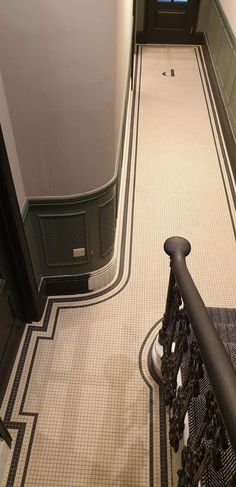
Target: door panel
point(20, 301)
point(11, 327)
point(7, 319)
point(171, 21)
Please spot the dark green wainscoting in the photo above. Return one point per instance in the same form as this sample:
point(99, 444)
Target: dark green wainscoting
point(56, 226)
point(222, 47)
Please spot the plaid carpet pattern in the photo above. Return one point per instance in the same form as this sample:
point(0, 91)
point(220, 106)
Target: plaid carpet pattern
point(225, 323)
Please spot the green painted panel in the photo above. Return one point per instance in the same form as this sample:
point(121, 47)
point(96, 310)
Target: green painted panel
point(203, 15)
point(32, 246)
point(219, 40)
point(61, 233)
point(223, 50)
point(233, 107)
point(226, 65)
point(214, 30)
point(140, 15)
point(56, 227)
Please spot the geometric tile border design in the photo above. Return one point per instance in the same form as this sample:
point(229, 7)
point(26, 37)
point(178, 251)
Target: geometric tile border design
point(145, 357)
point(20, 427)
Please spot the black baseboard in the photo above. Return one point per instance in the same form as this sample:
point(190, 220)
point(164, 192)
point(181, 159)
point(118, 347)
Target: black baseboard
point(223, 116)
point(140, 37)
point(63, 285)
point(195, 38)
point(198, 38)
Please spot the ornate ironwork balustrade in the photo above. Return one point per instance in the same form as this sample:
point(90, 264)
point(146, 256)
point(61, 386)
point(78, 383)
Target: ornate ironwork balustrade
point(191, 343)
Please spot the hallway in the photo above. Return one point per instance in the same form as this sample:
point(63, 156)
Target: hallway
point(81, 405)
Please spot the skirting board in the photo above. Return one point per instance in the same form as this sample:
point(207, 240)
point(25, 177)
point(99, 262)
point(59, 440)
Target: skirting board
point(85, 283)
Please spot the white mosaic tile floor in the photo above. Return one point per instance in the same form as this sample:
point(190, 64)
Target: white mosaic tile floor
point(87, 391)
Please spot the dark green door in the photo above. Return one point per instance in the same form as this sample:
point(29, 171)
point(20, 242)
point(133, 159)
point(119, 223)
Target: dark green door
point(6, 314)
point(171, 21)
point(10, 326)
point(20, 301)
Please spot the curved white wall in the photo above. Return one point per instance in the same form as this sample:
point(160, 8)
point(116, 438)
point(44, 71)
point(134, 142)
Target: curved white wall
point(229, 8)
point(64, 68)
point(124, 27)
point(58, 65)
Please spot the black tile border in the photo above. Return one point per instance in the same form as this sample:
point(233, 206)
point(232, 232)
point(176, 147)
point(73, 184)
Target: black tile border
point(20, 426)
point(162, 414)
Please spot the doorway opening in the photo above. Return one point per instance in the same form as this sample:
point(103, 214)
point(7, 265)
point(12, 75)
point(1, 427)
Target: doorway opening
point(171, 21)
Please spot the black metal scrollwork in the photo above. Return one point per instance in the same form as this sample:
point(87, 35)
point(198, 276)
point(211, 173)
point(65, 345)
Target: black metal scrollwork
point(185, 393)
point(186, 348)
point(206, 448)
point(211, 438)
point(170, 317)
point(176, 345)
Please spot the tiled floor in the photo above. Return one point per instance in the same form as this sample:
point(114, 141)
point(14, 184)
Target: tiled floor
point(81, 404)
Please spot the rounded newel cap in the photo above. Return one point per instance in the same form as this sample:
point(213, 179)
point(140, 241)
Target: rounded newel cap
point(176, 245)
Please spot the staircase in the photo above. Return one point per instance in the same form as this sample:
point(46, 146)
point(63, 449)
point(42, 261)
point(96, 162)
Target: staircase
point(194, 354)
point(225, 323)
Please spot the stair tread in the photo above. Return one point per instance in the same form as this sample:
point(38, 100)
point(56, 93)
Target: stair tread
point(225, 323)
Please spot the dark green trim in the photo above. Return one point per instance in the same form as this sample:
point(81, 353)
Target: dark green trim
point(72, 199)
point(204, 15)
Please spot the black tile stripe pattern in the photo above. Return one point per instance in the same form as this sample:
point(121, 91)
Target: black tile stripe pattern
point(162, 414)
point(21, 427)
point(162, 421)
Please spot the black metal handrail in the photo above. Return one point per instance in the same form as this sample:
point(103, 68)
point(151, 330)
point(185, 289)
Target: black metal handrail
point(220, 370)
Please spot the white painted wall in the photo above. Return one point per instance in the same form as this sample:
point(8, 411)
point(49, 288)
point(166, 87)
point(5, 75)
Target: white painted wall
point(64, 68)
point(11, 146)
point(124, 28)
point(229, 8)
point(58, 66)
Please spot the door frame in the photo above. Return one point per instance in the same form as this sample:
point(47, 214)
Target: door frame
point(31, 303)
point(14, 239)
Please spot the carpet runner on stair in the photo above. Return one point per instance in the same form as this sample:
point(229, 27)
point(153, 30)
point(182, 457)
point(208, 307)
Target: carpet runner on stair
point(225, 323)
